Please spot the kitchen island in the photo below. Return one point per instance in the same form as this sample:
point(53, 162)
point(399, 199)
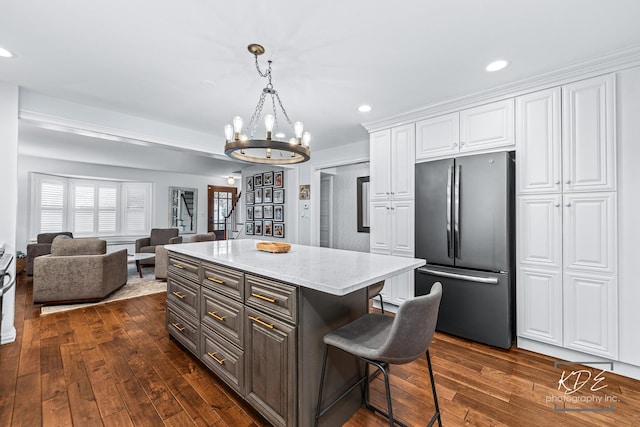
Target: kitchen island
point(257, 319)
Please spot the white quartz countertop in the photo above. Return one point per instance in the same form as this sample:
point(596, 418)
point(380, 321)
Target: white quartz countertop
point(334, 271)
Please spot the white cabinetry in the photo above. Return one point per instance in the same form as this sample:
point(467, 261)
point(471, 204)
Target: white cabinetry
point(479, 128)
point(566, 217)
point(392, 178)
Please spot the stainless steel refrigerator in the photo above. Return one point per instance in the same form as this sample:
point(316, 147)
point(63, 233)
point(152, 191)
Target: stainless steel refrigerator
point(465, 231)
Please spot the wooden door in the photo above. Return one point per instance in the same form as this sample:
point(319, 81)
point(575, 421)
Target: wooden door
point(220, 202)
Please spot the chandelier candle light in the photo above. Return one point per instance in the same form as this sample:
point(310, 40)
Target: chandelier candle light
point(268, 151)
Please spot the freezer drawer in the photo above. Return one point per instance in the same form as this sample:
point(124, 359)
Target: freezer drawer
point(475, 305)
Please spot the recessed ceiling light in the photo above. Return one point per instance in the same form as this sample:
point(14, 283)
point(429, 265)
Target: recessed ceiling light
point(498, 65)
point(364, 108)
point(279, 135)
point(5, 53)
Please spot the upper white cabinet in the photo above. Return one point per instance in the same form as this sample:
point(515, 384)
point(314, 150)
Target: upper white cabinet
point(392, 155)
point(487, 126)
point(438, 136)
point(588, 134)
point(480, 128)
point(565, 138)
point(538, 140)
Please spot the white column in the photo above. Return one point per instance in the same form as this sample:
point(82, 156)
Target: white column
point(8, 195)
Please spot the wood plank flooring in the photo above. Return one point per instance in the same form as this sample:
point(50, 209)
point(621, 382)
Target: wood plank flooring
point(114, 365)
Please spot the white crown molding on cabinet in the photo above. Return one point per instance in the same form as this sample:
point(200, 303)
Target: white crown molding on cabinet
point(615, 61)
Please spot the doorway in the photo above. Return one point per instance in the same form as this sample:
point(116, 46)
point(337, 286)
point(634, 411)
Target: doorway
point(220, 203)
point(326, 210)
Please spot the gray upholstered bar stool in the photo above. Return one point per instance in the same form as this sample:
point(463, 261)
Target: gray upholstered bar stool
point(374, 291)
point(378, 340)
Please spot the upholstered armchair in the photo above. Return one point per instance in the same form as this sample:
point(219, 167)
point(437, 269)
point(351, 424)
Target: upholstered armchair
point(41, 247)
point(162, 255)
point(158, 237)
point(78, 270)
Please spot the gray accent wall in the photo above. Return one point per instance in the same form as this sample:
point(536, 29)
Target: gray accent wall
point(345, 217)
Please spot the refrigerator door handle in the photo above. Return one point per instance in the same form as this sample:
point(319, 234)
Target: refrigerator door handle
point(488, 280)
point(449, 188)
point(456, 216)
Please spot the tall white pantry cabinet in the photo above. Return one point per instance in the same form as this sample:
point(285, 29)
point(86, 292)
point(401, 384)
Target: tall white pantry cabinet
point(392, 203)
point(567, 274)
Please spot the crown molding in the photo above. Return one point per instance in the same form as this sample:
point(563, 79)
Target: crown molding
point(611, 62)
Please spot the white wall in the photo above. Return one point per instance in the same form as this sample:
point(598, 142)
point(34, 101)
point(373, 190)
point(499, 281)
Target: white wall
point(628, 128)
point(9, 196)
point(161, 183)
point(345, 208)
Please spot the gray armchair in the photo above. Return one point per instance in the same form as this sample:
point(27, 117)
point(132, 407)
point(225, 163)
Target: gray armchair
point(78, 270)
point(158, 237)
point(41, 247)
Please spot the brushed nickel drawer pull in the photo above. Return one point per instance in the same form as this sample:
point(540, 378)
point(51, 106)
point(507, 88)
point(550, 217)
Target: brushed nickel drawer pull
point(263, 297)
point(213, 356)
point(178, 266)
point(178, 294)
point(213, 279)
point(257, 320)
point(177, 326)
point(215, 316)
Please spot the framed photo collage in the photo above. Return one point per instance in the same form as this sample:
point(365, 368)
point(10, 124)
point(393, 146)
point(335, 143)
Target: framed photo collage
point(265, 204)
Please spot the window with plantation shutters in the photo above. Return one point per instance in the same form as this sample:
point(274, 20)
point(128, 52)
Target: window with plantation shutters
point(90, 208)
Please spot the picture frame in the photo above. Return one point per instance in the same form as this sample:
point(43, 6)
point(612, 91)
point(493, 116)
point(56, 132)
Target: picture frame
point(257, 212)
point(267, 211)
point(278, 195)
point(278, 179)
point(248, 230)
point(278, 230)
point(268, 228)
point(257, 180)
point(267, 178)
point(257, 230)
point(250, 183)
point(305, 192)
point(267, 195)
point(258, 197)
point(278, 213)
point(250, 198)
point(249, 213)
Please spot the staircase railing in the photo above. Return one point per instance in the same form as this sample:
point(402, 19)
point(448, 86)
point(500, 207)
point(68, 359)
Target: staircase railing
point(231, 220)
point(186, 205)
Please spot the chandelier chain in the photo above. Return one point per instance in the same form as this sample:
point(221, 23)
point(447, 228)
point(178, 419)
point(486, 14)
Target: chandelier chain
point(283, 110)
point(256, 114)
point(275, 112)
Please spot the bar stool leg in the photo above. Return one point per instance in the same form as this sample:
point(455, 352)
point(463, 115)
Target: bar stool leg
point(324, 368)
point(435, 396)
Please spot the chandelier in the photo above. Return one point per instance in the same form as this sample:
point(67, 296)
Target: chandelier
point(243, 145)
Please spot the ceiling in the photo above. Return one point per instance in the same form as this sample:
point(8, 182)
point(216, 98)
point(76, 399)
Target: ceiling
point(185, 63)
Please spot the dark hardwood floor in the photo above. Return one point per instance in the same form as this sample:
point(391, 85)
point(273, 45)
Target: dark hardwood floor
point(114, 365)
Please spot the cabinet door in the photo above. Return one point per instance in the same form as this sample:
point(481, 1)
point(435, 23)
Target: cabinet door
point(590, 232)
point(270, 357)
point(589, 146)
point(539, 234)
point(380, 227)
point(438, 136)
point(403, 288)
point(403, 158)
point(538, 142)
point(487, 126)
point(590, 313)
point(380, 165)
point(539, 294)
point(402, 216)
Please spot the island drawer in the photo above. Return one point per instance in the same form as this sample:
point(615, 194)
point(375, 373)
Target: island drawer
point(223, 358)
point(276, 298)
point(183, 328)
point(184, 294)
point(225, 280)
point(223, 315)
point(184, 266)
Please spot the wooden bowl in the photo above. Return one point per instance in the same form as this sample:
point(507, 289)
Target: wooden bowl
point(273, 247)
